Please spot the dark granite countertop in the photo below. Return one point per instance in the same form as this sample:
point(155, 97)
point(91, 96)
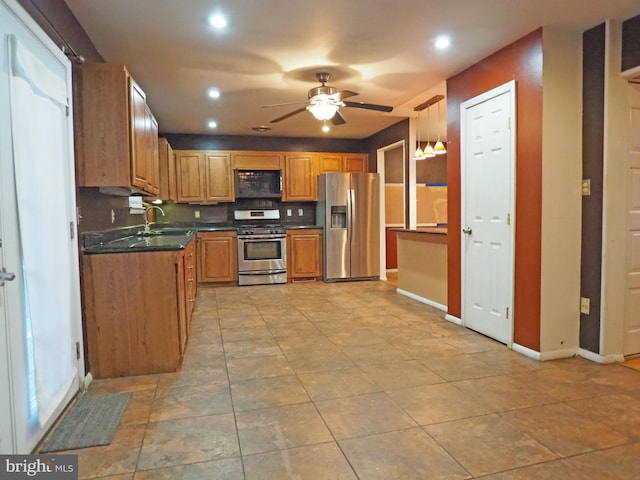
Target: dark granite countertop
point(161, 237)
point(165, 240)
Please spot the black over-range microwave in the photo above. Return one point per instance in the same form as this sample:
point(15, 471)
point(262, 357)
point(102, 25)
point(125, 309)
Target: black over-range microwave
point(258, 183)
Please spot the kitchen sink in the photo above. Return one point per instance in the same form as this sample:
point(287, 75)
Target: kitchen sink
point(161, 240)
point(162, 232)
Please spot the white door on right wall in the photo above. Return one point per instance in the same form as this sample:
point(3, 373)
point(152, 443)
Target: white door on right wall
point(487, 167)
point(632, 288)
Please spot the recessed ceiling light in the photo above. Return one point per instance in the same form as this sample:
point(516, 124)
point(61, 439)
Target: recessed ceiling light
point(214, 93)
point(442, 42)
point(212, 124)
point(217, 20)
point(261, 128)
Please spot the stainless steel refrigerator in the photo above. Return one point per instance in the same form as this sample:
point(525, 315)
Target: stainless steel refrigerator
point(349, 209)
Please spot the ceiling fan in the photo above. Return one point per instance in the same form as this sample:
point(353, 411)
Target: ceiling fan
point(324, 103)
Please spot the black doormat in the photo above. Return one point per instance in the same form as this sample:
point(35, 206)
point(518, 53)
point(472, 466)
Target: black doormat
point(91, 421)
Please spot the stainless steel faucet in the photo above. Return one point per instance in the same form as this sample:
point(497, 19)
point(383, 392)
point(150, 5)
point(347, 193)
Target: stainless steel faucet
point(147, 229)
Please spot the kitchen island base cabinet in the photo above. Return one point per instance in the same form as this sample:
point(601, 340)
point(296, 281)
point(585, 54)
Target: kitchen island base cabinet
point(136, 312)
point(217, 257)
point(304, 254)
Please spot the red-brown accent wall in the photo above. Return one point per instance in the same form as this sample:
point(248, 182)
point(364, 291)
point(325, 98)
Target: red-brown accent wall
point(521, 61)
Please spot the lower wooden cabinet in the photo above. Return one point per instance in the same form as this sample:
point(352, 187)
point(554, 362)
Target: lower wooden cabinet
point(137, 310)
point(217, 257)
point(304, 254)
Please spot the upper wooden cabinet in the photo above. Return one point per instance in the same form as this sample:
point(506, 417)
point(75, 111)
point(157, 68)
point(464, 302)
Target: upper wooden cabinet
point(203, 176)
point(257, 160)
point(167, 162)
point(337, 162)
point(300, 178)
point(115, 131)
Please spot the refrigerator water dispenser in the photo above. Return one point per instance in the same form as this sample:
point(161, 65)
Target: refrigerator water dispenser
point(338, 216)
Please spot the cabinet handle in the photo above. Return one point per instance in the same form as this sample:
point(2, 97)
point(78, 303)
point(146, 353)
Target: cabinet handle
point(192, 300)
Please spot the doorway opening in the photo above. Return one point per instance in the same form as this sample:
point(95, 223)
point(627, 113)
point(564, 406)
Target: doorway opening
point(391, 168)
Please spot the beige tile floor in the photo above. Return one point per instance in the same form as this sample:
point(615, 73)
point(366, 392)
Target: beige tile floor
point(351, 380)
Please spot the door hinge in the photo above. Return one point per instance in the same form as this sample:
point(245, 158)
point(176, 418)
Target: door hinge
point(508, 219)
point(507, 312)
point(66, 107)
point(72, 230)
point(77, 350)
point(509, 122)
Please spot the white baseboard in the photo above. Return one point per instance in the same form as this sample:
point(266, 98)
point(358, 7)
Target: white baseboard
point(596, 357)
point(452, 319)
point(431, 303)
point(527, 352)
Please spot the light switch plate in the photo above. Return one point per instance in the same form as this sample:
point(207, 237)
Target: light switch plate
point(300, 212)
point(289, 212)
point(196, 214)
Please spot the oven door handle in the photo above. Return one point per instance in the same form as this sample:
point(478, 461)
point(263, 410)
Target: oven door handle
point(261, 237)
point(261, 272)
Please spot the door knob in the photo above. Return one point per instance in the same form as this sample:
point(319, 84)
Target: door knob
point(466, 230)
point(6, 276)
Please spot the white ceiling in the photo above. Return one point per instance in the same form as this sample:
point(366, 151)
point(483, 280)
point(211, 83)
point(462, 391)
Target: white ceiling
point(270, 51)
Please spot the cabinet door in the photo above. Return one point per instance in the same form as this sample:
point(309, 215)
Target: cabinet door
point(300, 178)
point(167, 164)
point(189, 165)
point(330, 163)
point(139, 137)
point(356, 163)
point(190, 279)
point(257, 160)
point(219, 180)
point(153, 187)
point(305, 251)
point(182, 304)
point(217, 257)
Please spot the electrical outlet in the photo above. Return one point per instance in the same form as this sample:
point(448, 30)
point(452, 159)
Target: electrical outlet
point(288, 212)
point(196, 214)
point(300, 212)
point(585, 305)
point(113, 216)
point(586, 187)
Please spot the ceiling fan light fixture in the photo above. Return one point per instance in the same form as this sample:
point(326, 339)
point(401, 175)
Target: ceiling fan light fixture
point(325, 127)
point(323, 108)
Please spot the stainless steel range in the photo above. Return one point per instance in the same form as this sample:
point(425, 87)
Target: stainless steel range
point(262, 247)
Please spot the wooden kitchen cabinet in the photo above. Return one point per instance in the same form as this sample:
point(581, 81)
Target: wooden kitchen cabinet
point(203, 176)
point(115, 129)
point(300, 178)
point(136, 311)
point(304, 254)
point(248, 160)
point(167, 161)
point(217, 257)
point(343, 162)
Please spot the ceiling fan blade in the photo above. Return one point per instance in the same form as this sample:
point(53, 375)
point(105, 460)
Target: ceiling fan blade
point(342, 94)
point(282, 104)
point(290, 114)
point(369, 106)
point(338, 119)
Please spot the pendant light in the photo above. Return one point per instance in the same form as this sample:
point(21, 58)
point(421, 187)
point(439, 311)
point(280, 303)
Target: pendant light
point(428, 150)
point(439, 148)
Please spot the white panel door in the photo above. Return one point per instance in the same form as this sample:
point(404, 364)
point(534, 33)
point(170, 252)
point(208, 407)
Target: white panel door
point(632, 290)
point(487, 166)
point(39, 329)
